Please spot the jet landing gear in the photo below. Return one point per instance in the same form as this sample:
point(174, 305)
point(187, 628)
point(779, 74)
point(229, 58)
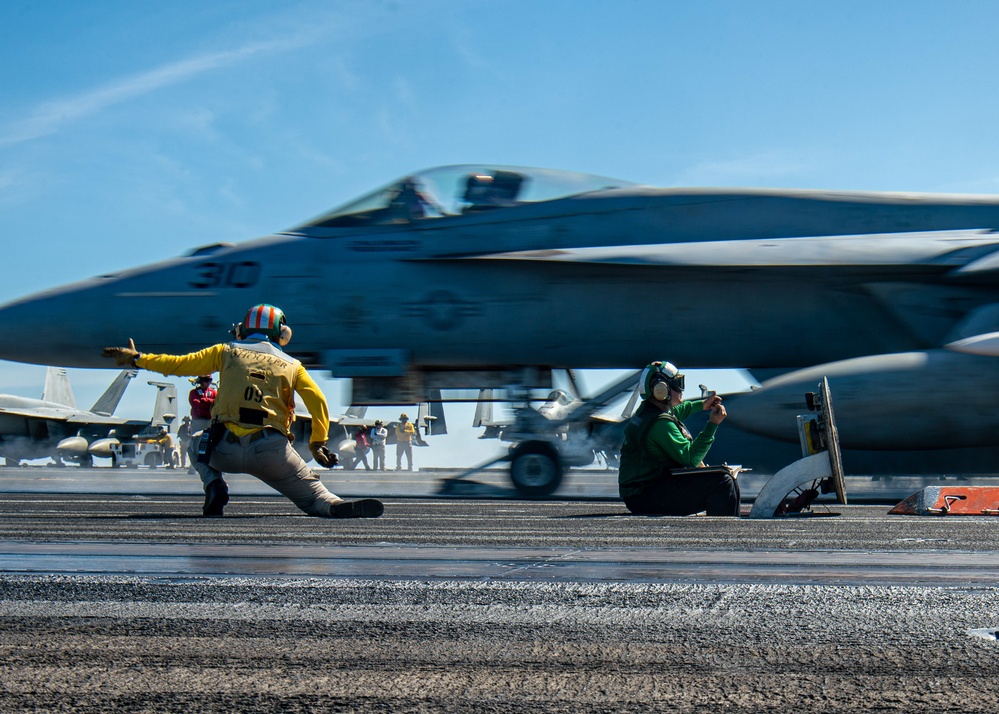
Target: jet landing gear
point(535, 468)
point(536, 471)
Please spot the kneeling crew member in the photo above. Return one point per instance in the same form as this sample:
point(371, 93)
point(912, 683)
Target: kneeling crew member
point(252, 415)
point(656, 442)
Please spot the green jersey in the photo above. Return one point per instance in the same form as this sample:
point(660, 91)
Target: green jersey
point(655, 442)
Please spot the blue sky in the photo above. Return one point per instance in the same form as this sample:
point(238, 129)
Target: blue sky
point(135, 131)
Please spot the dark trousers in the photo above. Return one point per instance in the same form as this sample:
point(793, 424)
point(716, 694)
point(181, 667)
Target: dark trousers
point(714, 491)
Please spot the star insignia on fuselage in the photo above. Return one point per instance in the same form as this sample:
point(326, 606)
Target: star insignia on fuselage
point(442, 310)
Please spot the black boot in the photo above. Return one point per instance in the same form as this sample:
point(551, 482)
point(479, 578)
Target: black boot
point(364, 508)
point(216, 496)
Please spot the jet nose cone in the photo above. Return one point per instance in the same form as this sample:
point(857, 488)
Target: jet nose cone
point(52, 328)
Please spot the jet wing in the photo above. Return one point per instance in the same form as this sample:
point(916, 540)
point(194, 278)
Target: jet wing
point(91, 418)
point(965, 250)
point(66, 415)
point(352, 421)
point(47, 413)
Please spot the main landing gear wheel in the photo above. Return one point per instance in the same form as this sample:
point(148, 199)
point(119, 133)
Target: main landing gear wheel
point(535, 469)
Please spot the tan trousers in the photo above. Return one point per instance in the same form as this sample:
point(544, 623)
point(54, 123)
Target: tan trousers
point(272, 459)
point(403, 448)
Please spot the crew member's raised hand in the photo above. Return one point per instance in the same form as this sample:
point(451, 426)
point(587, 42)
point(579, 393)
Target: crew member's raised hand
point(711, 401)
point(122, 356)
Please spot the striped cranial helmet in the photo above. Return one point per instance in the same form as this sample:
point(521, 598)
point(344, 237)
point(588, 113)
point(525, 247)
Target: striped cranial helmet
point(659, 379)
point(264, 320)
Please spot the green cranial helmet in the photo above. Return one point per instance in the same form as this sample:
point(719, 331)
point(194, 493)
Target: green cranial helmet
point(263, 320)
point(659, 379)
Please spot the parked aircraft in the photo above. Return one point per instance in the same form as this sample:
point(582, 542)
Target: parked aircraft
point(470, 276)
point(55, 427)
point(571, 426)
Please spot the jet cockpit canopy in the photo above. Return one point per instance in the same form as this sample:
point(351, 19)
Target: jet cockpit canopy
point(460, 189)
point(560, 397)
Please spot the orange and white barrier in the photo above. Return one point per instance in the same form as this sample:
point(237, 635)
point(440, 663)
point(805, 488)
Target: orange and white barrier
point(951, 501)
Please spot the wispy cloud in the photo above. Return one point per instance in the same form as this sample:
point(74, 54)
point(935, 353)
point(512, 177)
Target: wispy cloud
point(49, 117)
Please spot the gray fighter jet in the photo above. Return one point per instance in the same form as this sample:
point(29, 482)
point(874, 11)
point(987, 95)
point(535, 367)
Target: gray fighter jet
point(55, 427)
point(471, 276)
point(565, 422)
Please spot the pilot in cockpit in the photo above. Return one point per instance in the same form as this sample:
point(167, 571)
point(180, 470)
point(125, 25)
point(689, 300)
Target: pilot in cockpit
point(495, 189)
point(411, 203)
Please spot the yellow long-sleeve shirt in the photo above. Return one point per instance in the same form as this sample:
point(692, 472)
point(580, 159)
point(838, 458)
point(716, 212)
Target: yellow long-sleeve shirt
point(209, 360)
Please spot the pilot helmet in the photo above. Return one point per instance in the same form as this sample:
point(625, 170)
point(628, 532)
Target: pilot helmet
point(266, 320)
point(659, 379)
point(478, 186)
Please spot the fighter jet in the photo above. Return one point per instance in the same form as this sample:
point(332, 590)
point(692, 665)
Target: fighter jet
point(574, 426)
point(55, 427)
point(469, 276)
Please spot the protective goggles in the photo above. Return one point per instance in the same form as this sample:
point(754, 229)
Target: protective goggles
point(676, 383)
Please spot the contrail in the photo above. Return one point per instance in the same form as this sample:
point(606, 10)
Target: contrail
point(48, 117)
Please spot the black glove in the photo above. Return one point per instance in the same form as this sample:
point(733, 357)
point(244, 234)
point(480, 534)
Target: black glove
point(323, 456)
point(122, 356)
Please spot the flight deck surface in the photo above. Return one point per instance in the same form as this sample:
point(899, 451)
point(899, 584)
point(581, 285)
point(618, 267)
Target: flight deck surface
point(125, 601)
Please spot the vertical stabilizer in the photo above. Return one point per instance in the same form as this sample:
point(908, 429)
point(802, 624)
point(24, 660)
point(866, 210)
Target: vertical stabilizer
point(356, 412)
point(437, 412)
point(430, 416)
point(108, 401)
point(165, 408)
point(483, 409)
point(57, 389)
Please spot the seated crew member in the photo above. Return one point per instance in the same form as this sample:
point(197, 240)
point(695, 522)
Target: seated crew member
point(656, 442)
point(252, 415)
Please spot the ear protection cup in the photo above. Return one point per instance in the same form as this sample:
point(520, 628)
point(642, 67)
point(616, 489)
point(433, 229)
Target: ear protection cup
point(659, 380)
point(285, 336)
point(660, 388)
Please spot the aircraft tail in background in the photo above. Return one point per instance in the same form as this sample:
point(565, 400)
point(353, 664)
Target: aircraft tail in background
point(165, 408)
point(57, 389)
point(108, 401)
point(430, 415)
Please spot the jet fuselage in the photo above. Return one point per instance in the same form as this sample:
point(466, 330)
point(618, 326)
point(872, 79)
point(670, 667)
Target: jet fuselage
point(495, 289)
point(613, 276)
